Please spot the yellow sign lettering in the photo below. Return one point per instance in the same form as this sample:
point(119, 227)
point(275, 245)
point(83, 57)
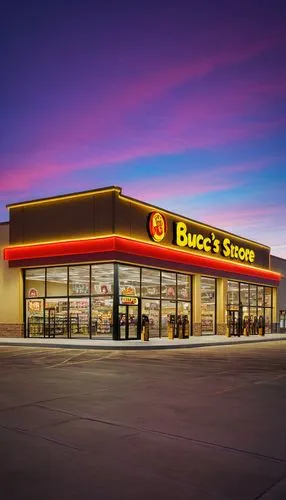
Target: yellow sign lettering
point(181, 234)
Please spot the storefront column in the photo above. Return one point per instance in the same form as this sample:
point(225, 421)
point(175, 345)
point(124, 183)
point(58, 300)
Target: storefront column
point(11, 293)
point(275, 316)
point(221, 302)
point(196, 299)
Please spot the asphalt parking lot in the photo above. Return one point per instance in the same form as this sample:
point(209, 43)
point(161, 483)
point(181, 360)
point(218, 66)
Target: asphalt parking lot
point(206, 423)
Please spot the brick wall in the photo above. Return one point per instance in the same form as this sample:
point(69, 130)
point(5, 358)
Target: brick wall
point(221, 329)
point(11, 330)
point(197, 329)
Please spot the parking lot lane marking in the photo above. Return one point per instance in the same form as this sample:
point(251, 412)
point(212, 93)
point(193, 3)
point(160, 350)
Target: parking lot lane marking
point(107, 356)
point(65, 361)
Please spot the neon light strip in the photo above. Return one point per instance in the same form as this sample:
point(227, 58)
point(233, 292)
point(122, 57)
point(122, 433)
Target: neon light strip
point(151, 243)
point(128, 199)
point(138, 248)
point(64, 197)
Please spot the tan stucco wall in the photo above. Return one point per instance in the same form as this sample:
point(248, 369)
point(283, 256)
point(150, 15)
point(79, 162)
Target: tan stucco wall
point(11, 288)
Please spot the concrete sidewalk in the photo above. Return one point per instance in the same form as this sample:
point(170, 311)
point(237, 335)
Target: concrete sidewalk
point(154, 343)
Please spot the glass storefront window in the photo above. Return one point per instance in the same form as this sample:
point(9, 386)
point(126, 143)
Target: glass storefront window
point(129, 280)
point(78, 300)
point(208, 305)
point(35, 317)
point(56, 317)
point(34, 283)
point(253, 325)
point(244, 294)
point(268, 320)
point(151, 309)
point(168, 317)
point(57, 281)
point(79, 280)
point(150, 286)
point(268, 297)
point(233, 293)
point(260, 296)
point(102, 316)
point(253, 295)
point(168, 289)
point(184, 286)
point(102, 279)
point(184, 318)
point(79, 317)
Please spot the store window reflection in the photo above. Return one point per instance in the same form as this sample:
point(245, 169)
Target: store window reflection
point(150, 286)
point(268, 322)
point(102, 276)
point(56, 317)
point(184, 287)
point(268, 297)
point(253, 295)
point(168, 289)
point(184, 319)
point(35, 283)
point(233, 294)
point(168, 318)
point(244, 294)
point(102, 317)
point(256, 302)
point(79, 278)
point(260, 296)
point(208, 305)
point(129, 280)
point(79, 317)
point(78, 300)
point(35, 317)
point(151, 309)
point(57, 281)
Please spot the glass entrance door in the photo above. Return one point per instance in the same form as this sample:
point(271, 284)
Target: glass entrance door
point(128, 322)
point(234, 323)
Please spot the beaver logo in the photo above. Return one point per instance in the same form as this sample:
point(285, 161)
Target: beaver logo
point(157, 226)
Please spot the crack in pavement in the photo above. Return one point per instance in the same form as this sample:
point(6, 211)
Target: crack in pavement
point(175, 436)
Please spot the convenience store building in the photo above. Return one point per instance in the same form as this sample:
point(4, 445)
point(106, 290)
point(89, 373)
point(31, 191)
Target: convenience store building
point(99, 264)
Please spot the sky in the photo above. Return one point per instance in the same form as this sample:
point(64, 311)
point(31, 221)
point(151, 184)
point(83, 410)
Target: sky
point(181, 103)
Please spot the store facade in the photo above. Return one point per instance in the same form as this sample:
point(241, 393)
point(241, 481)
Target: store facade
point(102, 265)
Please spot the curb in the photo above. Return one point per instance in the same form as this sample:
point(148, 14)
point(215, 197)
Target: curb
point(140, 347)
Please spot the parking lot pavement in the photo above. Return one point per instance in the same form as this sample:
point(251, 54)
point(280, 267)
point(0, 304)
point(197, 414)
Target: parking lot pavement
point(186, 424)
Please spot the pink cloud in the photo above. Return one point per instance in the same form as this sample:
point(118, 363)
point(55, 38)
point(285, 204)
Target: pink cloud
point(105, 114)
point(102, 135)
point(174, 140)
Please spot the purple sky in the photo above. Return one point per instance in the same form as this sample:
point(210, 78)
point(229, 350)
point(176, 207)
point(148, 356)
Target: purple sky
point(180, 103)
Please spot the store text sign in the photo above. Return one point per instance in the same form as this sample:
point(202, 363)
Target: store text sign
point(211, 244)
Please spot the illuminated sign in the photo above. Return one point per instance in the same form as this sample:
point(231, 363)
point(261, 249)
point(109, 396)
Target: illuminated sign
point(35, 306)
point(209, 242)
point(129, 301)
point(128, 290)
point(224, 247)
point(157, 226)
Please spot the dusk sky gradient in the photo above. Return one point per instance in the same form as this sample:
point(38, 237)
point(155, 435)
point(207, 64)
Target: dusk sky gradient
point(181, 103)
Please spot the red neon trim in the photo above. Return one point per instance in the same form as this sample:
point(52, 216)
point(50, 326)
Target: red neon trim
point(76, 247)
point(147, 250)
point(120, 244)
